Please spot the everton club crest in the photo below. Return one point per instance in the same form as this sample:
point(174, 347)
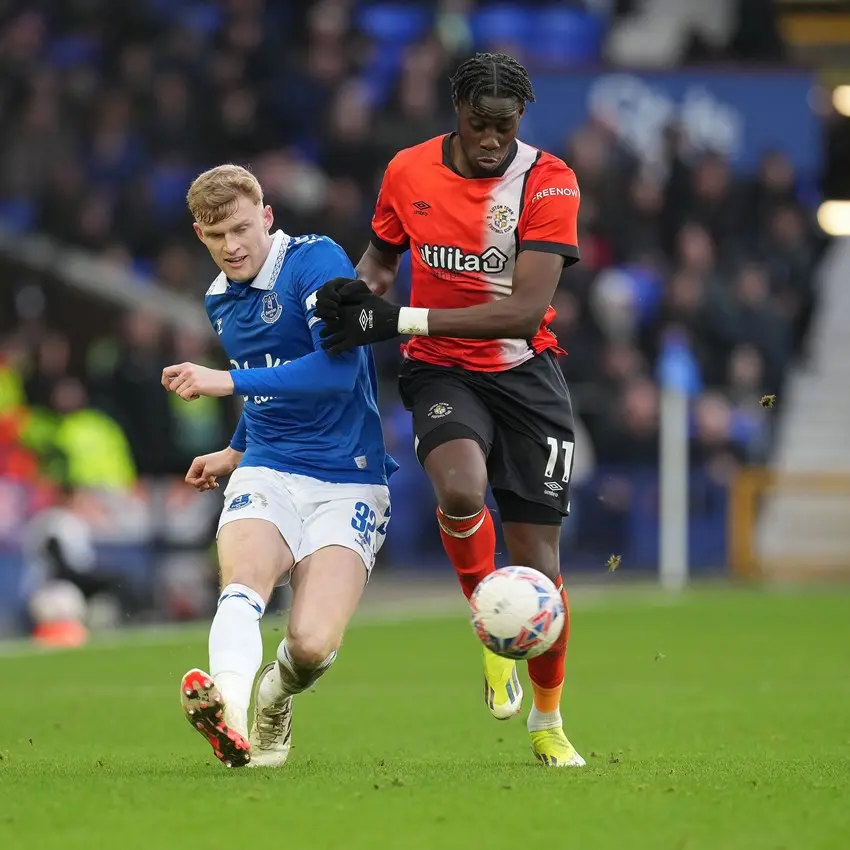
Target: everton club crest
point(271, 308)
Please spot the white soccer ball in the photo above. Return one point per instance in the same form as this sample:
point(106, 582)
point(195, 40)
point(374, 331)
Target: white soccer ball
point(517, 612)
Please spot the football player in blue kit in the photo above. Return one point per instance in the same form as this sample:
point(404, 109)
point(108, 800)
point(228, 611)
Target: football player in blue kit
point(307, 500)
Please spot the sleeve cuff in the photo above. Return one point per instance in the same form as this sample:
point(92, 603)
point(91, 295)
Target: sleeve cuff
point(570, 253)
point(389, 247)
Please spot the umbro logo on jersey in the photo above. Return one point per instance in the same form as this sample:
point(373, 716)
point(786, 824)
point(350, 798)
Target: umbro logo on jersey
point(452, 258)
point(420, 207)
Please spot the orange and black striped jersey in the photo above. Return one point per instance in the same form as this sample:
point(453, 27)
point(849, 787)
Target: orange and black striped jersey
point(464, 236)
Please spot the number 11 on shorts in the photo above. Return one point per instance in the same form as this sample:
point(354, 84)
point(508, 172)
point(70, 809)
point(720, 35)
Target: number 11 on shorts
point(568, 448)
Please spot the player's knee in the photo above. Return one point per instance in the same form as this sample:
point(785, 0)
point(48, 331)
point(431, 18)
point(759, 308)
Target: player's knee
point(310, 649)
point(460, 491)
point(252, 552)
point(458, 473)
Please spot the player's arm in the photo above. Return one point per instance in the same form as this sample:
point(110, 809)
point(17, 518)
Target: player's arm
point(315, 374)
point(378, 266)
point(518, 316)
point(548, 240)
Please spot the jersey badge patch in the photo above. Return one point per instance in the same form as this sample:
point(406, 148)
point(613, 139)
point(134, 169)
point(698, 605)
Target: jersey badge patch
point(501, 219)
point(439, 410)
point(271, 308)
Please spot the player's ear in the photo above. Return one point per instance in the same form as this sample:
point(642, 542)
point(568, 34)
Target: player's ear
point(197, 228)
point(456, 105)
point(268, 217)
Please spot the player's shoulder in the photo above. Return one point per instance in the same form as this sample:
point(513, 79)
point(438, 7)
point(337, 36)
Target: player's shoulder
point(429, 152)
point(315, 252)
point(550, 169)
point(313, 249)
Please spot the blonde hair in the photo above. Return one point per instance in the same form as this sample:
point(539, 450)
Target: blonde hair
point(213, 195)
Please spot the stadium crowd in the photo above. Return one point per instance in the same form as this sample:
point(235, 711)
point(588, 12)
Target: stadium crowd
point(112, 108)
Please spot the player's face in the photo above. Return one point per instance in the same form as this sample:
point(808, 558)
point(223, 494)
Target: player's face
point(240, 243)
point(486, 132)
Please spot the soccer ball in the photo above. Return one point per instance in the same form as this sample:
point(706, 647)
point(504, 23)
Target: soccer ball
point(517, 612)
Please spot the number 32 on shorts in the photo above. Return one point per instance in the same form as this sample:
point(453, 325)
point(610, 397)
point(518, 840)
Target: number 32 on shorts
point(365, 522)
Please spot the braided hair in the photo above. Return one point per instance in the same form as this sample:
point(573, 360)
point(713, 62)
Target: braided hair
point(491, 75)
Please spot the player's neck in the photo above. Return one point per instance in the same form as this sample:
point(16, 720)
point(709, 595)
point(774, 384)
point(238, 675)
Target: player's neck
point(455, 158)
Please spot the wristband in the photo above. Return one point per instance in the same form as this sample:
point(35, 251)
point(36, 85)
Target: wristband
point(413, 321)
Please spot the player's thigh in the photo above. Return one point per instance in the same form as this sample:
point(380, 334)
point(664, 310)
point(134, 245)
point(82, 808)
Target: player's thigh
point(326, 589)
point(352, 516)
point(344, 529)
point(259, 530)
point(454, 433)
point(531, 461)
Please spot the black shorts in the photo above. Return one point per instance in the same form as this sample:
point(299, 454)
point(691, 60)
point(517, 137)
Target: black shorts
point(522, 418)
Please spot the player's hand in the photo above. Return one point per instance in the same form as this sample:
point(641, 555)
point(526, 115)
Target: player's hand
point(362, 320)
point(191, 381)
point(335, 293)
point(206, 469)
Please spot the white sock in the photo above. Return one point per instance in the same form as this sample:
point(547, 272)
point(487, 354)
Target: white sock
point(286, 679)
point(236, 646)
point(540, 720)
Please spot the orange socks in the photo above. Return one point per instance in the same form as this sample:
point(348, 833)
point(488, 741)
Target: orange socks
point(547, 671)
point(470, 543)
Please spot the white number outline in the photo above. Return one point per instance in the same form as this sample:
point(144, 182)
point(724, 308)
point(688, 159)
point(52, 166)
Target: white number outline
point(568, 448)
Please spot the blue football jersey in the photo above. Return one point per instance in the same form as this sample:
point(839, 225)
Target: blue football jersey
point(268, 323)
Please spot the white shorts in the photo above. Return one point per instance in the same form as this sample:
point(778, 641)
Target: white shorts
point(310, 514)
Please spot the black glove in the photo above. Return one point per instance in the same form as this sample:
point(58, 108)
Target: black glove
point(330, 297)
point(361, 318)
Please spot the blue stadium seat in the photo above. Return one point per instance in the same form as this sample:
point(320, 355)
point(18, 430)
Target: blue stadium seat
point(17, 214)
point(205, 18)
point(168, 184)
point(72, 51)
point(394, 23)
point(562, 37)
point(495, 25)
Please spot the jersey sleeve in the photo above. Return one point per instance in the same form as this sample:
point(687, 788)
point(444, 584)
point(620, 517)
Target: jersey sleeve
point(549, 220)
point(388, 233)
point(319, 262)
point(316, 373)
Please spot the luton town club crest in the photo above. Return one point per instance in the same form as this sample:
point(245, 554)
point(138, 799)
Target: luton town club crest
point(271, 308)
point(500, 219)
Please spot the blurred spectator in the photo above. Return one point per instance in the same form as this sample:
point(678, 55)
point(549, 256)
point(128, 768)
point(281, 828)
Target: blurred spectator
point(129, 390)
point(59, 547)
point(94, 451)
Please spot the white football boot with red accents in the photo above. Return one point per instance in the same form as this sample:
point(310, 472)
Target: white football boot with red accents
point(224, 729)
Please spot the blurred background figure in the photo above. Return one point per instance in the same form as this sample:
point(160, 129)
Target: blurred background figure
point(701, 218)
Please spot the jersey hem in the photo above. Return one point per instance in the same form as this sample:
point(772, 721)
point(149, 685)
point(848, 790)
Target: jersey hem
point(336, 477)
point(450, 363)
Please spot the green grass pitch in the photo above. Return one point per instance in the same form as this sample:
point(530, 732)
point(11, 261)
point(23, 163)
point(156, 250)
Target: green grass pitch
point(717, 722)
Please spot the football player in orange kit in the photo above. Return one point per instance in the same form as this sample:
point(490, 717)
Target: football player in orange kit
point(490, 223)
